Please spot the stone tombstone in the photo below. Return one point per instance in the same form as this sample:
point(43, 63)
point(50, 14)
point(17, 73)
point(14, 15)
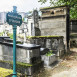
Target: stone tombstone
point(36, 24)
point(43, 42)
point(55, 44)
point(55, 21)
point(35, 16)
point(48, 43)
point(25, 52)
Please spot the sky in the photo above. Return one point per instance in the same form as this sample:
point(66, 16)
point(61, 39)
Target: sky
point(22, 5)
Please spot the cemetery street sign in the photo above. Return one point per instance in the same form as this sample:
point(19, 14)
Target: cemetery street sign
point(14, 18)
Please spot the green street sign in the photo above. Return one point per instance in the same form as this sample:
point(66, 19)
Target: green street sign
point(14, 18)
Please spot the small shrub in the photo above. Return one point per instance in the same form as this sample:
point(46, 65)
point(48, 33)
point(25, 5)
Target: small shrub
point(1, 33)
point(49, 53)
point(10, 35)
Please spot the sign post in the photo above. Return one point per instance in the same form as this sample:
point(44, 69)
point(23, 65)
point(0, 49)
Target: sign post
point(14, 46)
point(14, 19)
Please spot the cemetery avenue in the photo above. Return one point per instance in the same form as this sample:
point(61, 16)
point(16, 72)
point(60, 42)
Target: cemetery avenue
point(40, 42)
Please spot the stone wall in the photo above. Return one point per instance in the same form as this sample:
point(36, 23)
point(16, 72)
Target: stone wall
point(54, 43)
point(25, 53)
point(53, 27)
point(55, 21)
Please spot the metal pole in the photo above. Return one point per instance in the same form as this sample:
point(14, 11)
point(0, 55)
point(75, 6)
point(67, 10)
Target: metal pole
point(14, 46)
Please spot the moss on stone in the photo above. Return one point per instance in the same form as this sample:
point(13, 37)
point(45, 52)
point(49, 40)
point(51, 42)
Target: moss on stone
point(52, 7)
point(18, 63)
point(20, 67)
point(73, 35)
point(29, 37)
point(23, 64)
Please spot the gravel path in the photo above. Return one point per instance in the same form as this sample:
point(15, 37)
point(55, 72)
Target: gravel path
point(70, 73)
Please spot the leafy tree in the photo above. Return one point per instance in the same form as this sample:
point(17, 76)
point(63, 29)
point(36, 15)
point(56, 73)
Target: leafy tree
point(71, 3)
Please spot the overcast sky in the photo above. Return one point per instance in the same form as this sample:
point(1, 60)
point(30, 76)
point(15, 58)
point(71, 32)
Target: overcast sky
point(22, 5)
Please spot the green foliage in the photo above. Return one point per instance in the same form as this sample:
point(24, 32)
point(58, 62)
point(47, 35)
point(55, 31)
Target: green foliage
point(71, 3)
point(73, 13)
point(10, 35)
point(49, 53)
point(23, 19)
point(43, 1)
point(1, 33)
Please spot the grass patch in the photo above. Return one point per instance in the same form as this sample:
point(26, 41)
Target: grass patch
point(5, 72)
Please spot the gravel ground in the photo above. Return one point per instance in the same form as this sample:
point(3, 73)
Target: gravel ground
point(66, 68)
point(70, 73)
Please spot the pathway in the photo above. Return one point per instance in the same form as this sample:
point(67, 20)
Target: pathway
point(66, 68)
